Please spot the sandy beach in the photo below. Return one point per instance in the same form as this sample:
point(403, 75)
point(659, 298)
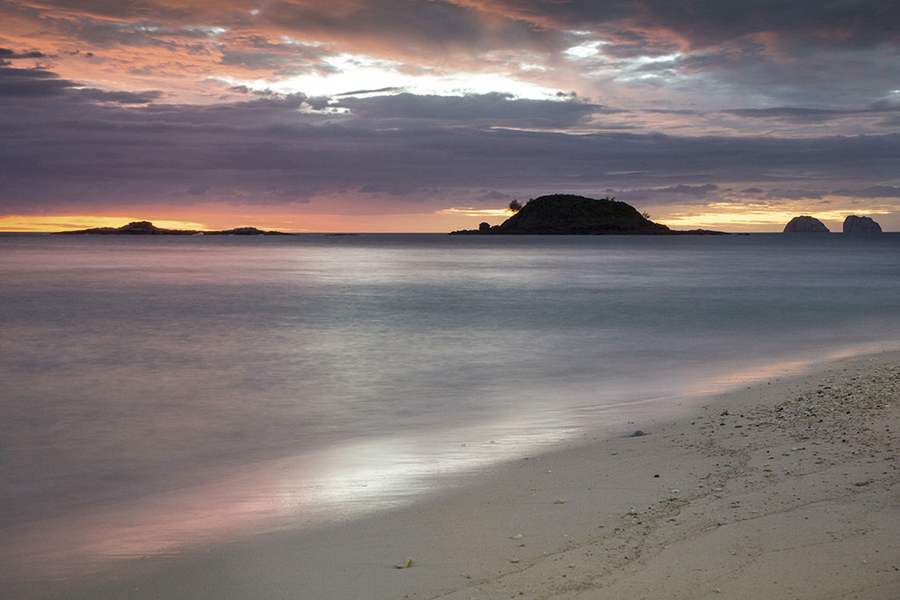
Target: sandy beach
point(784, 489)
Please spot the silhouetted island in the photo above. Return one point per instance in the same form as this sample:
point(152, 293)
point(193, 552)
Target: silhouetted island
point(805, 224)
point(148, 228)
point(855, 224)
point(566, 214)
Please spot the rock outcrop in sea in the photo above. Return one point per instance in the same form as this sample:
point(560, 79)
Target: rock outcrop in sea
point(805, 224)
point(565, 214)
point(855, 224)
point(148, 228)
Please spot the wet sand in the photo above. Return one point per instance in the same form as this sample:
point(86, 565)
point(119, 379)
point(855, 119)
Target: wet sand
point(784, 489)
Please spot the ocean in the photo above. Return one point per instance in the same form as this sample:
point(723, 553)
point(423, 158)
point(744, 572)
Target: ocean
point(161, 394)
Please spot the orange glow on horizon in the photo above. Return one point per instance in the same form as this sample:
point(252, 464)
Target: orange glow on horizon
point(442, 221)
point(53, 224)
point(716, 216)
point(728, 217)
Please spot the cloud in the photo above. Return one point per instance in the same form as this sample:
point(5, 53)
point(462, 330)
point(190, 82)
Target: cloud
point(679, 194)
point(794, 25)
point(7, 54)
point(676, 100)
point(31, 83)
point(40, 83)
point(678, 54)
point(120, 97)
point(68, 149)
point(494, 196)
point(496, 110)
point(690, 190)
point(797, 194)
point(811, 115)
point(875, 191)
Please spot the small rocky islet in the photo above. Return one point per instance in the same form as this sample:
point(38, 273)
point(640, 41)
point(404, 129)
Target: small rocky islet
point(855, 224)
point(148, 228)
point(852, 224)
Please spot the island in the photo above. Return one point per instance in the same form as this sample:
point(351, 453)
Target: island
point(148, 228)
point(567, 214)
point(805, 224)
point(856, 224)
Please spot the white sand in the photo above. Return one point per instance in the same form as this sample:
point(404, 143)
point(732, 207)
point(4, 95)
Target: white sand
point(778, 498)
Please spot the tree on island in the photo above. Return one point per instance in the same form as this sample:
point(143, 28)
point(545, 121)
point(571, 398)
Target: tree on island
point(515, 206)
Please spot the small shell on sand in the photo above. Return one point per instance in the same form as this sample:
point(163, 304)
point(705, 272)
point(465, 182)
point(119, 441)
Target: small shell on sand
point(404, 564)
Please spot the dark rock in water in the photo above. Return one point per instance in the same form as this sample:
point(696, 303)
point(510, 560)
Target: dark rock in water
point(805, 224)
point(244, 231)
point(148, 228)
point(854, 224)
point(565, 214)
point(133, 228)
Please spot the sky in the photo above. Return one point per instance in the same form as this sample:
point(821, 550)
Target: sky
point(432, 115)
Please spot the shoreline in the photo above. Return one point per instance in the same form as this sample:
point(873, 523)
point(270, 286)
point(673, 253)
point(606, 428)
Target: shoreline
point(752, 496)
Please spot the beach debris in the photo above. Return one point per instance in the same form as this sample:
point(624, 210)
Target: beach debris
point(560, 501)
point(518, 536)
point(637, 433)
point(404, 564)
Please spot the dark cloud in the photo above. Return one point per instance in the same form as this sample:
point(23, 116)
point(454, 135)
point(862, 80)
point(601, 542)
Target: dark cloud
point(639, 26)
point(798, 24)
point(7, 54)
point(120, 97)
point(678, 194)
point(265, 150)
point(383, 90)
point(498, 110)
point(797, 194)
point(875, 191)
point(40, 83)
point(690, 190)
point(255, 52)
point(810, 115)
point(493, 195)
point(31, 83)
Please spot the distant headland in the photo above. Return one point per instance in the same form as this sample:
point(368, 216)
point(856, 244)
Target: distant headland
point(566, 214)
point(148, 228)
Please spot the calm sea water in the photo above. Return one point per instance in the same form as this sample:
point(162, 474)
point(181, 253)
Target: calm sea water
point(163, 392)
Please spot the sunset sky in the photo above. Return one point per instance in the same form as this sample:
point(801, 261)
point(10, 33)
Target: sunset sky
point(431, 115)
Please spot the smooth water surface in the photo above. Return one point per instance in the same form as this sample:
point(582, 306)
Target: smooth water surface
point(196, 387)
